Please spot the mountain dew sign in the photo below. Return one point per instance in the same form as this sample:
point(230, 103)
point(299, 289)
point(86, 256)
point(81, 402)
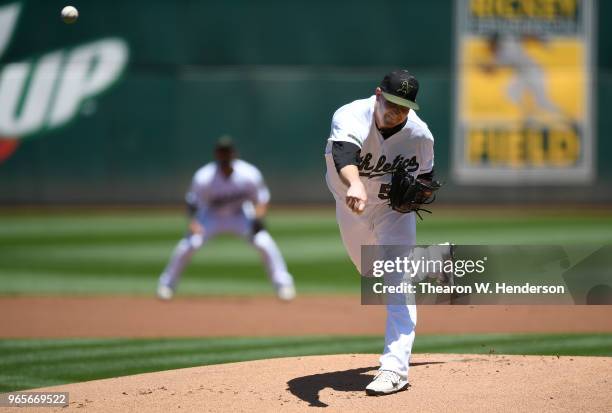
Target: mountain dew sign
point(46, 92)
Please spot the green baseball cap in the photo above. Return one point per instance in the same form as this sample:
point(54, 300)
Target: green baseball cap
point(401, 88)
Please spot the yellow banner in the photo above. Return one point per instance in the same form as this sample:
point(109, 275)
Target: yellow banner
point(522, 112)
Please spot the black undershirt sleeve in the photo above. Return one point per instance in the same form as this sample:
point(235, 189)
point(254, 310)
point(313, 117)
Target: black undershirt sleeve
point(344, 153)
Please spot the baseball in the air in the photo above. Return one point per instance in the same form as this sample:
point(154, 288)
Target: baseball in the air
point(70, 14)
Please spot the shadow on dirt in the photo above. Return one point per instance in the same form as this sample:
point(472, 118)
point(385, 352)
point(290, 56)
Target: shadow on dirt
point(307, 388)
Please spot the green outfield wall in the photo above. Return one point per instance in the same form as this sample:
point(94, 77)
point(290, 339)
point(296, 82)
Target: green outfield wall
point(124, 105)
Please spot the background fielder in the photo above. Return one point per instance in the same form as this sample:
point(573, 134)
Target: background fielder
point(228, 196)
point(369, 139)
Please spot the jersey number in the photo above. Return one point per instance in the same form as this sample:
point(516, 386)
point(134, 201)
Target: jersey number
point(383, 193)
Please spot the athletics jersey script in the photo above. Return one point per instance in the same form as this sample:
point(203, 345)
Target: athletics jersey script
point(213, 192)
point(411, 148)
point(382, 167)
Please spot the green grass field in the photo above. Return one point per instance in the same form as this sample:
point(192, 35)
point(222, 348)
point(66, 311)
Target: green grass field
point(37, 363)
point(123, 252)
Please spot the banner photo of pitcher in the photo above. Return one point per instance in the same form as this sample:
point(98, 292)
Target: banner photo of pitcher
point(523, 108)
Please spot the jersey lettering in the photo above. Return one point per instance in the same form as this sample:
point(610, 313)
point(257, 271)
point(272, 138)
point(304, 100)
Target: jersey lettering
point(219, 201)
point(383, 192)
point(382, 167)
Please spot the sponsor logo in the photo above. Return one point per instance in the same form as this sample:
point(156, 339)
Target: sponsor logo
point(47, 92)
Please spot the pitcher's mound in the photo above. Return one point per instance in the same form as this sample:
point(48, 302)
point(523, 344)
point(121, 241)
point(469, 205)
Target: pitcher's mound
point(438, 382)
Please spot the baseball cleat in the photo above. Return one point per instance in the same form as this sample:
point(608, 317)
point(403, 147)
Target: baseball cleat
point(285, 292)
point(386, 382)
point(165, 293)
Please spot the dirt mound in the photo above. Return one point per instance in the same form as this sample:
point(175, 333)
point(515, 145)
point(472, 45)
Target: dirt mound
point(438, 382)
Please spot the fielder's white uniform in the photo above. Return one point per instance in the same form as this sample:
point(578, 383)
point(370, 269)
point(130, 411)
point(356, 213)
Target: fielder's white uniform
point(412, 148)
point(226, 205)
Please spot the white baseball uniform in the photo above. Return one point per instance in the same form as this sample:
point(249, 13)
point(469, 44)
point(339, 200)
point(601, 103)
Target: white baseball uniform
point(412, 148)
point(226, 205)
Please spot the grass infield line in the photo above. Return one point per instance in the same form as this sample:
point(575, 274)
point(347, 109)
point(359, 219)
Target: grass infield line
point(28, 364)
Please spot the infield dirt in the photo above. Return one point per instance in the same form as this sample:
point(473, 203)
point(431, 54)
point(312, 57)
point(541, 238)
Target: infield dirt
point(107, 316)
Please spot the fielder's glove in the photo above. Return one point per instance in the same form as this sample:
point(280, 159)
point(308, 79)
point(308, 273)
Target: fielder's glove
point(409, 194)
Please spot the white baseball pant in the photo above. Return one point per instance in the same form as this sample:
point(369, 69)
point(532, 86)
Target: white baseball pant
point(380, 225)
point(240, 225)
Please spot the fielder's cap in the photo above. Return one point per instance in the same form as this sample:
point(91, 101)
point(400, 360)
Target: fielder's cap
point(225, 143)
point(401, 88)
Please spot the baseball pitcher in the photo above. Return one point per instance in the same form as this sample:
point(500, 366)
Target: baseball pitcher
point(371, 141)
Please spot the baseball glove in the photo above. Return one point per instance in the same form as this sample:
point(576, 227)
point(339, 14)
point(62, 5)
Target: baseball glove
point(409, 194)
